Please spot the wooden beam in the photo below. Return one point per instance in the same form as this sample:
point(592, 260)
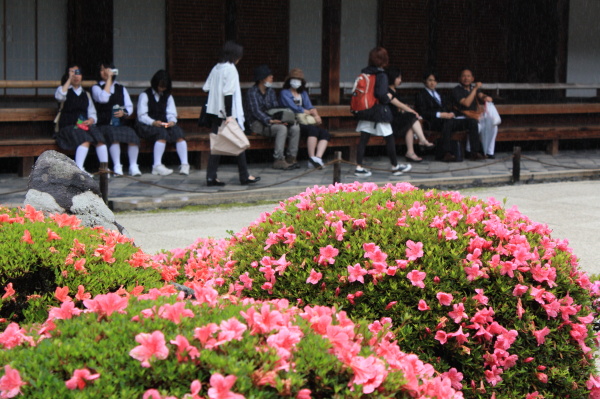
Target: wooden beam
point(330, 61)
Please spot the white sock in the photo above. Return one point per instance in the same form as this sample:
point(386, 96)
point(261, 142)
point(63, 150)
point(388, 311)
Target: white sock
point(159, 150)
point(81, 155)
point(181, 147)
point(115, 153)
point(132, 152)
point(102, 153)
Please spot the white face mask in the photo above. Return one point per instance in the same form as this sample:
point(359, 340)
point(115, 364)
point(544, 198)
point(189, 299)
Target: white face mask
point(268, 84)
point(295, 83)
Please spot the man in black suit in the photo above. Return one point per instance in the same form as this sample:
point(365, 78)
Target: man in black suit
point(437, 112)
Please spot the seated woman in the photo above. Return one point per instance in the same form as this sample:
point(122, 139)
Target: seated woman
point(295, 97)
point(157, 121)
point(76, 125)
point(113, 104)
point(406, 120)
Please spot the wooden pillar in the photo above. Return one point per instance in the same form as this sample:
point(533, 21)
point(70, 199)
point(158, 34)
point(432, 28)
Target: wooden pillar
point(330, 59)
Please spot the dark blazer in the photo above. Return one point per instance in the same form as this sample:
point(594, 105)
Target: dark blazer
point(427, 106)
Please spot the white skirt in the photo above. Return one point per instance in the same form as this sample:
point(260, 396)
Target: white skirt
point(381, 129)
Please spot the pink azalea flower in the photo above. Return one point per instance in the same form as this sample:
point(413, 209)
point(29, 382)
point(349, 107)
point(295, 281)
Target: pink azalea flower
point(205, 294)
point(81, 294)
point(14, 336)
point(356, 273)
point(460, 336)
point(184, 349)
point(231, 329)
point(174, 312)
point(414, 250)
point(458, 312)
point(8, 291)
point(520, 289)
point(304, 394)
point(105, 305)
point(204, 334)
point(542, 377)
point(369, 372)
point(493, 376)
point(80, 376)
point(314, 277)
point(66, 311)
point(482, 299)
point(416, 278)
point(441, 336)
point(455, 377)
point(327, 255)
point(540, 335)
point(27, 237)
point(444, 298)
point(10, 383)
point(61, 293)
point(423, 306)
point(152, 345)
point(220, 387)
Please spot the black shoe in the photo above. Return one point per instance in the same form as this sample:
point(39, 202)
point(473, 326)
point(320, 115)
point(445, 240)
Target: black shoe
point(489, 156)
point(214, 183)
point(250, 181)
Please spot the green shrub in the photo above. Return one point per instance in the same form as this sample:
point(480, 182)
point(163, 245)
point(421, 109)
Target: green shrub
point(468, 284)
point(39, 255)
point(158, 345)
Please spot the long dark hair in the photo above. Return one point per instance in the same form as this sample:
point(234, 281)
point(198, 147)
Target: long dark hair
point(392, 73)
point(162, 78)
point(105, 64)
point(231, 52)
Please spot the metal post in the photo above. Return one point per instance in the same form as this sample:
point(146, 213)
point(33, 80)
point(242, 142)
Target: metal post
point(104, 181)
point(516, 164)
point(337, 167)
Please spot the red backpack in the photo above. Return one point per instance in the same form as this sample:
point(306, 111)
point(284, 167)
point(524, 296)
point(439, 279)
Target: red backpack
point(363, 93)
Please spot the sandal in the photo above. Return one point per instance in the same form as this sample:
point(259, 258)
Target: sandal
point(413, 158)
point(427, 144)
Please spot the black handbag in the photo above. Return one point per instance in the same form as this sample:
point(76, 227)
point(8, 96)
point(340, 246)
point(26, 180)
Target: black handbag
point(377, 113)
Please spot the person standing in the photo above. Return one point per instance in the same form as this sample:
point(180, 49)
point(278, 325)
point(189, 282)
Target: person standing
point(295, 97)
point(436, 111)
point(113, 105)
point(224, 105)
point(378, 60)
point(260, 98)
point(406, 120)
point(468, 98)
point(157, 121)
point(77, 122)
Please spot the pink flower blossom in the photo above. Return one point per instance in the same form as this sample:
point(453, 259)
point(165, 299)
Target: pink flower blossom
point(369, 372)
point(66, 311)
point(414, 250)
point(441, 336)
point(540, 335)
point(314, 277)
point(10, 383)
point(455, 377)
point(423, 306)
point(174, 312)
point(184, 349)
point(304, 394)
point(493, 376)
point(482, 299)
point(416, 278)
point(356, 273)
point(152, 345)
point(327, 255)
point(220, 387)
point(105, 305)
point(520, 289)
point(231, 329)
point(444, 298)
point(8, 291)
point(458, 312)
point(80, 376)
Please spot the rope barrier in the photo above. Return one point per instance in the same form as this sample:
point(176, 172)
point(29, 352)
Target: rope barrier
point(330, 163)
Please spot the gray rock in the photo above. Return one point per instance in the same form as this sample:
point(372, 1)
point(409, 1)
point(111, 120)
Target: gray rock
point(57, 185)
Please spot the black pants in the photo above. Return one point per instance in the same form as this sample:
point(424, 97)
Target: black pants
point(448, 126)
point(390, 146)
point(213, 160)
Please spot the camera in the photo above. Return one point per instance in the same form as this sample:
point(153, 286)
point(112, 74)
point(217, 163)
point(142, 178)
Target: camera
point(77, 72)
point(115, 71)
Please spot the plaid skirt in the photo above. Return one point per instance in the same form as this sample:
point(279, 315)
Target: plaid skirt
point(153, 133)
point(119, 134)
point(70, 137)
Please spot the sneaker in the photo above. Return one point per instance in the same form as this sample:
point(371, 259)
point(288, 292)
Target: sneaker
point(184, 170)
point(315, 162)
point(118, 170)
point(401, 168)
point(362, 172)
point(281, 164)
point(134, 170)
point(161, 170)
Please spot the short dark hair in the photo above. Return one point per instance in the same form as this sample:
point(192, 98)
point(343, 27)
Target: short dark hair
point(429, 73)
point(392, 73)
point(65, 77)
point(162, 78)
point(378, 57)
point(231, 52)
point(105, 64)
point(466, 68)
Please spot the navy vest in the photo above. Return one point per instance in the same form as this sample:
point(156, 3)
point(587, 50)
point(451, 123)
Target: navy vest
point(157, 110)
point(74, 107)
point(105, 111)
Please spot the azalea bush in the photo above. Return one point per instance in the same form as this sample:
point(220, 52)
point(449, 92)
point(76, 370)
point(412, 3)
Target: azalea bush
point(43, 260)
point(477, 290)
point(160, 345)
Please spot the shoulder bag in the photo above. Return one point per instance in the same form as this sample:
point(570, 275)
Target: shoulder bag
point(285, 115)
point(231, 140)
point(306, 119)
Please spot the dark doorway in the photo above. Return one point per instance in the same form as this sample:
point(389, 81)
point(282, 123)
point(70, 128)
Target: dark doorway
point(90, 34)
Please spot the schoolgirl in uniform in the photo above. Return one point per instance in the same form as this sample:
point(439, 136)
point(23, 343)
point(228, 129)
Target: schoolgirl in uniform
point(157, 121)
point(77, 123)
point(113, 105)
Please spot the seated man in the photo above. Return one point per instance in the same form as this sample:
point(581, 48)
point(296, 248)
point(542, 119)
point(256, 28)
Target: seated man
point(436, 111)
point(260, 98)
point(467, 97)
